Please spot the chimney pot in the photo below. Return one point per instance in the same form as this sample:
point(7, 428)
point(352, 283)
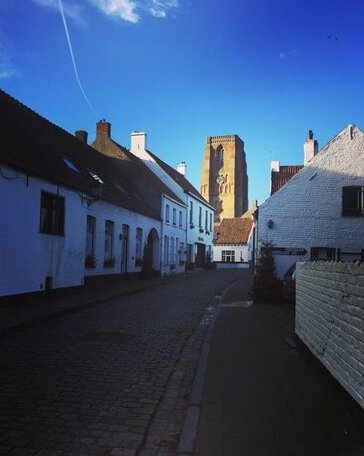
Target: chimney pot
point(103, 128)
point(81, 135)
point(182, 168)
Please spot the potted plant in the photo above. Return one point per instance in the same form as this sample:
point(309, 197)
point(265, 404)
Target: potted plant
point(109, 262)
point(90, 261)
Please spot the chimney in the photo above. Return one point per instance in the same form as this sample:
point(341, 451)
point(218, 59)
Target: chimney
point(138, 142)
point(310, 148)
point(275, 166)
point(81, 135)
point(103, 128)
point(182, 168)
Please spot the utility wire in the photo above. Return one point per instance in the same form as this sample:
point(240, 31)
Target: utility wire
point(73, 59)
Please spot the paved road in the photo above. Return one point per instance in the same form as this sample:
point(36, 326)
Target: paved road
point(266, 395)
point(110, 380)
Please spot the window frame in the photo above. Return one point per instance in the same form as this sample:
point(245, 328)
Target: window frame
point(138, 246)
point(110, 235)
point(228, 256)
point(358, 193)
point(52, 214)
point(167, 213)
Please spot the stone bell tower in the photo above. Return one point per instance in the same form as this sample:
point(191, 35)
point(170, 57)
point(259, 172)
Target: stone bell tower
point(224, 178)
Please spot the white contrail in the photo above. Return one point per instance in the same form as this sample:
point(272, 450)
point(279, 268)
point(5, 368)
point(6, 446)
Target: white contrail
point(73, 59)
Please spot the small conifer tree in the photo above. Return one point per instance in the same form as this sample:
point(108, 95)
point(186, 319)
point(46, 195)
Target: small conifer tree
point(266, 287)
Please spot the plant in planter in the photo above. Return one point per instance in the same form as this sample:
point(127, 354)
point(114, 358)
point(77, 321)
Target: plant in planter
point(109, 262)
point(90, 261)
point(201, 230)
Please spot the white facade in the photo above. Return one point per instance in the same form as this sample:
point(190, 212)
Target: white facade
point(27, 256)
point(126, 255)
point(32, 261)
point(173, 229)
point(198, 234)
point(232, 255)
point(306, 213)
point(200, 229)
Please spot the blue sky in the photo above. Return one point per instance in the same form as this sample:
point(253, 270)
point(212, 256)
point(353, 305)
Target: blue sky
point(182, 70)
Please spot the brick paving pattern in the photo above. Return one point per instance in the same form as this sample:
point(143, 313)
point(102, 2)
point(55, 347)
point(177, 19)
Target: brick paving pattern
point(109, 380)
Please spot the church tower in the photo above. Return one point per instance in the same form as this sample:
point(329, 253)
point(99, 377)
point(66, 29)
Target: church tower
point(224, 178)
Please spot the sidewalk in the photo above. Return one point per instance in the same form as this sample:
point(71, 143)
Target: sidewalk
point(266, 395)
point(23, 311)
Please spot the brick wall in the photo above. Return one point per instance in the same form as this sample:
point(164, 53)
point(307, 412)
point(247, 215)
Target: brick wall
point(330, 319)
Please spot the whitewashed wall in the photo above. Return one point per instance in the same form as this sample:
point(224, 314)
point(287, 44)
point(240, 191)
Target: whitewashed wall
point(27, 256)
point(103, 211)
point(171, 265)
point(139, 148)
point(194, 235)
point(241, 252)
point(330, 319)
point(306, 212)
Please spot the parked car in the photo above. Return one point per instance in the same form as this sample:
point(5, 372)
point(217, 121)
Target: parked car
point(289, 283)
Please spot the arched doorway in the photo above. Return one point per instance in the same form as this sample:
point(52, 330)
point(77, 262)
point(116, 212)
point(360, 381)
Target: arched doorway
point(154, 248)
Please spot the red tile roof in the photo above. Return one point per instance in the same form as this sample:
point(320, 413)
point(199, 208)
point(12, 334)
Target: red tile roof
point(233, 231)
point(281, 177)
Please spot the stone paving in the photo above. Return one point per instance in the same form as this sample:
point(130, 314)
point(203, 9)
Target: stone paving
point(266, 395)
point(110, 380)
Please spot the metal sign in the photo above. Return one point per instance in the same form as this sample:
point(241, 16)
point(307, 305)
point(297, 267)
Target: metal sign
point(286, 250)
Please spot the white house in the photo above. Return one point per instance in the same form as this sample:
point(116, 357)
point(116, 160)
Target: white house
point(233, 242)
point(319, 212)
point(197, 215)
point(154, 190)
point(68, 211)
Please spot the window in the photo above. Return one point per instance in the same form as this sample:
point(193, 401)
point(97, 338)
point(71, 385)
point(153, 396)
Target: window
point(174, 219)
point(191, 212)
point(138, 247)
point(177, 250)
point(172, 250)
point(51, 214)
point(210, 221)
point(90, 235)
point(181, 253)
point(70, 165)
point(180, 218)
point(206, 221)
point(228, 256)
point(323, 253)
point(200, 217)
point(109, 238)
point(166, 249)
point(167, 213)
point(353, 201)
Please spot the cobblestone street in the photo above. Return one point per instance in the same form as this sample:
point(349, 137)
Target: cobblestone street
point(112, 379)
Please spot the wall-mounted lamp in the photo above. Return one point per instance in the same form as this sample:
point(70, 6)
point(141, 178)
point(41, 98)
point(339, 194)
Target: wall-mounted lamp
point(270, 224)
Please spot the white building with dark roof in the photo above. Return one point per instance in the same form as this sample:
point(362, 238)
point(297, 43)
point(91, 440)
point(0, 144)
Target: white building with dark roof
point(69, 212)
point(319, 213)
point(197, 216)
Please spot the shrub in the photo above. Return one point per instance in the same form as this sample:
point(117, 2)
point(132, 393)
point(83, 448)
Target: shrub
point(267, 287)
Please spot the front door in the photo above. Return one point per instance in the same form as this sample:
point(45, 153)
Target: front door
point(124, 247)
point(201, 254)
